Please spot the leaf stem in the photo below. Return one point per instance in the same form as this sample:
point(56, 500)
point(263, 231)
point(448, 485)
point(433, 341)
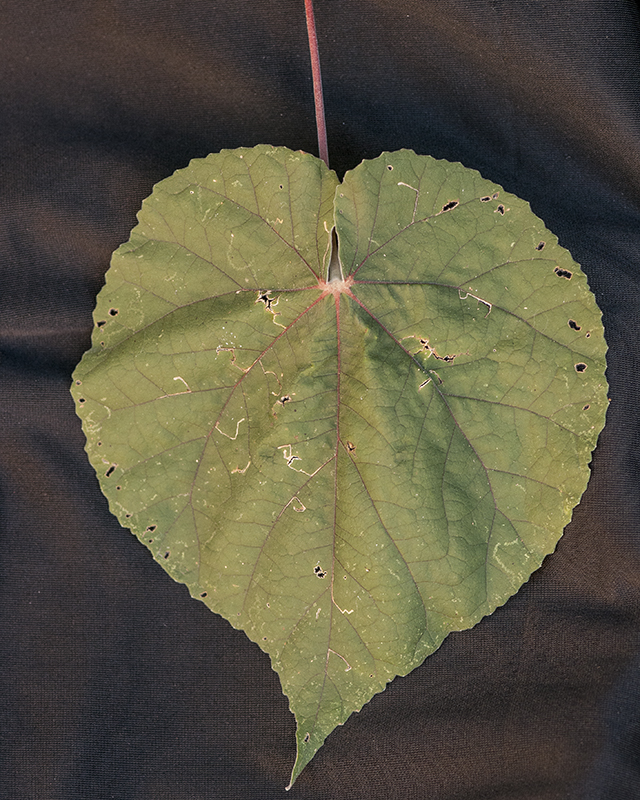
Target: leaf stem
point(317, 82)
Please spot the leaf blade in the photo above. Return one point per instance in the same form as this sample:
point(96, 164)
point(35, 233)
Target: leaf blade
point(347, 471)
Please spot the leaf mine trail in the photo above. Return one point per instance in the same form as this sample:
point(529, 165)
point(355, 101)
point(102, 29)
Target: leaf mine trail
point(352, 465)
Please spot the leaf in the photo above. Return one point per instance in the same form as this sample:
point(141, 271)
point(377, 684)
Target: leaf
point(350, 469)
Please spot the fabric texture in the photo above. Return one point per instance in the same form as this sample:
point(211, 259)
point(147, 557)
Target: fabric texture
point(115, 683)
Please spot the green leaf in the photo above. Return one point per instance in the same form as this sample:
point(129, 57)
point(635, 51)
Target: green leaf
point(350, 469)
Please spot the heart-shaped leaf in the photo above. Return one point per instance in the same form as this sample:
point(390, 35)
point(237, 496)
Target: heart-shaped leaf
point(348, 444)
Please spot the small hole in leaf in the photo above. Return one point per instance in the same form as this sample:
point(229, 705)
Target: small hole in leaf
point(285, 398)
point(563, 273)
point(99, 444)
point(78, 383)
point(264, 638)
point(485, 199)
point(307, 738)
point(281, 186)
point(319, 571)
point(586, 408)
point(390, 167)
point(351, 447)
point(203, 594)
point(166, 555)
point(113, 312)
point(588, 335)
point(574, 325)
point(118, 488)
point(581, 367)
point(151, 528)
point(263, 297)
point(150, 541)
point(110, 471)
point(495, 195)
point(500, 209)
point(81, 400)
point(128, 516)
point(451, 204)
point(101, 323)
point(540, 245)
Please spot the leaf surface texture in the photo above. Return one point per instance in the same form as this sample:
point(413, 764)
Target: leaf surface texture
point(345, 469)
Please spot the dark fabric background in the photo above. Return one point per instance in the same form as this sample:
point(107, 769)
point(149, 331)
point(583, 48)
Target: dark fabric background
point(115, 684)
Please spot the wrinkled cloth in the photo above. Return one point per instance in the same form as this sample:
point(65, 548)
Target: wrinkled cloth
point(114, 682)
